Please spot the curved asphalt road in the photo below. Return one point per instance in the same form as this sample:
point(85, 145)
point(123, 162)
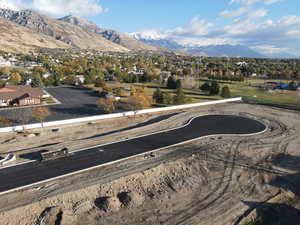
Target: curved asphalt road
point(26, 174)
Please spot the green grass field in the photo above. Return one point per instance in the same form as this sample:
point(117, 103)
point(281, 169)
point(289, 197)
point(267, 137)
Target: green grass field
point(237, 89)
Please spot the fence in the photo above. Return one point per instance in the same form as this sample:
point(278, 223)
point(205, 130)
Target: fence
point(114, 115)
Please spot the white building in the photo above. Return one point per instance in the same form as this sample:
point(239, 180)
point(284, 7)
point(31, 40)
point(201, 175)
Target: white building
point(4, 62)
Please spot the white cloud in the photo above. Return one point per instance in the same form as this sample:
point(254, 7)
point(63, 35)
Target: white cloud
point(258, 14)
point(270, 37)
point(290, 20)
point(252, 2)
point(151, 34)
point(270, 2)
point(244, 2)
point(195, 27)
point(273, 50)
point(12, 4)
point(56, 8)
point(190, 41)
point(233, 13)
point(63, 7)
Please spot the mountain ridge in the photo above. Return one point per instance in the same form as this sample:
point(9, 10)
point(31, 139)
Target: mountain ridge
point(208, 50)
point(76, 32)
point(116, 37)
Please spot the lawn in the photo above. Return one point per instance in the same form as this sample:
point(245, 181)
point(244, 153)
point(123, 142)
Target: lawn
point(237, 89)
point(256, 94)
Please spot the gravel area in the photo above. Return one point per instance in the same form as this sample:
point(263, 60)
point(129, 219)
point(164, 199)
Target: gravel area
point(212, 181)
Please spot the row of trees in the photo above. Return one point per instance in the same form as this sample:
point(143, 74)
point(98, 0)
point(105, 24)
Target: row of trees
point(213, 88)
point(167, 98)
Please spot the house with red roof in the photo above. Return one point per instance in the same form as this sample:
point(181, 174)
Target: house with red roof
point(20, 95)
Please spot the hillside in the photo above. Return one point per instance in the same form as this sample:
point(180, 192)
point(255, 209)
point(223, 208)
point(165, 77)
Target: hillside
point(76, 32)
point(21, 39)
point(66, 33)
point(112, 35)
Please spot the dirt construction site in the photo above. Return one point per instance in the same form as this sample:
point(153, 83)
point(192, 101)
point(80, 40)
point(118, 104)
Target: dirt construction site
point(216, 180)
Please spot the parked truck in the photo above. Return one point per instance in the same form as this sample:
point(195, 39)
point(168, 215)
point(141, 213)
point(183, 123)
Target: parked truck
point(55, 154)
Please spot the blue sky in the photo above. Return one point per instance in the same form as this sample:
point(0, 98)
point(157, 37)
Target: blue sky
point(271, 27)
point(136, 15)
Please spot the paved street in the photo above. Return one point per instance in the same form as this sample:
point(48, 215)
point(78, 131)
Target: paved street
point(18, 176)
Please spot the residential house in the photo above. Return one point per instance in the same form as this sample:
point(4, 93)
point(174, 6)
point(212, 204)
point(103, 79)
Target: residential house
point(4, 62)
point(79, 80)
point(20, 95)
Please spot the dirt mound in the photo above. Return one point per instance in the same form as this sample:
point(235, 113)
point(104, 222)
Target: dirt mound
point(50, 215)
point(131, 199)
point(108, 204)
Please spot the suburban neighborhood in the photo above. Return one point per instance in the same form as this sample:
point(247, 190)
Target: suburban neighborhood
point(149, 113)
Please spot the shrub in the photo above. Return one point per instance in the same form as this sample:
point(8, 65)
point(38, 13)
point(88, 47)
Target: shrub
point(214, 88)
point(225, 93)
point(168, 99)
point(158, 96)
point(205, 87)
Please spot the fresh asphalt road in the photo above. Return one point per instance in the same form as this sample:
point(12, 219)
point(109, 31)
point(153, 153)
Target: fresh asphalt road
point(26, 174)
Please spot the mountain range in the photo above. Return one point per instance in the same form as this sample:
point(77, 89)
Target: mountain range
point(29, 30)
point(209, 50)
point(26, 30)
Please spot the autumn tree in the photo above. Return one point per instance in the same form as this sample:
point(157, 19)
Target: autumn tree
point(139, 100)
point(22, 115)
point(108, 105)
point(15, 78)
point(4, 70)
point(134, 104)
point(4, 121)
point(40, 114)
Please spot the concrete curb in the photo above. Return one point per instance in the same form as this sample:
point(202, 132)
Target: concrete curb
point(142, 154)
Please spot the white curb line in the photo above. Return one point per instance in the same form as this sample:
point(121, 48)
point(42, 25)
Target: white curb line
point(124, 159)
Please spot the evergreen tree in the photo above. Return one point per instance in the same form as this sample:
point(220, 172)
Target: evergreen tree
point(171, 83)
point(158, 96)
point(178, 84)
point(168, 98)
point(179, 97)
point(144, 78)
point(225, 93)
point(214, 88)
point(205, 87)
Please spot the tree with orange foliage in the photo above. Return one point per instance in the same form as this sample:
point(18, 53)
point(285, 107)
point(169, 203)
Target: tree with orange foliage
point(41, 114)
point(139, 100)
point(4, 121)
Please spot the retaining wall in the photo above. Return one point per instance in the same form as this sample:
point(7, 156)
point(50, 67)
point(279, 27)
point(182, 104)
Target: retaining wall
point(114, 115)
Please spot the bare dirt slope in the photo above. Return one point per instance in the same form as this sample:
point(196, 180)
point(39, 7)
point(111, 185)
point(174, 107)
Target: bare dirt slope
point(20, 39)
point(212, 181)
point(61, 33)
